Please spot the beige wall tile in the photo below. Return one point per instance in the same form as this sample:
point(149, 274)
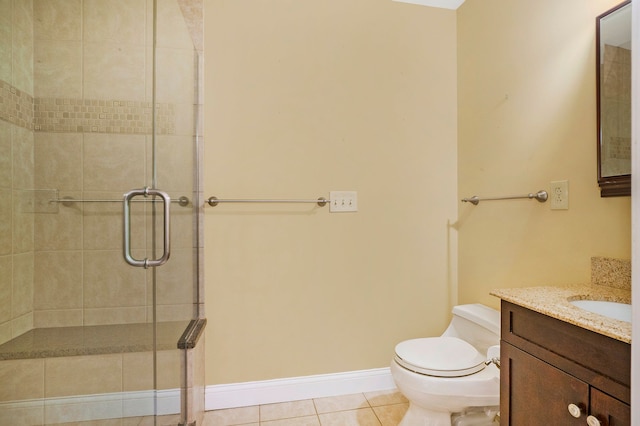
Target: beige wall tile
point(58, 161)
point(122, 315)
point(103, 222)
point(172, 30)
point(171, 64)
point(173, 312)
point(109, 282)
point(23, 14)
point(175, 162)
point(6, 274)
point(6, 222)
point(58, 69)
point(57, 19)
point(5, 153)
point(21, 379)
point(192, 10)
point(174, 280)
point(184, 120)
point(22, 299)
point(57, 318)
point(24, 416)
point(61, 230)
point(5, 40)
point(21, 324)
point(99, 373)
point(127, 26)
point(113, 163)
point(58, 280)
point(22, 48)
point(5, 332)
point(22, 219)
point(182, 224)
point(169, 369)
point(114, 71)
point(194, 362)
point(23, 158)
point(137, 371)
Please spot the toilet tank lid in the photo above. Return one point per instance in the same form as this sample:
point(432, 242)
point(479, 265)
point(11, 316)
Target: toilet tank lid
point(480, 314)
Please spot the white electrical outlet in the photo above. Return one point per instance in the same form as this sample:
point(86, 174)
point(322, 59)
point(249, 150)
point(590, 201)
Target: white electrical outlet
point(343, 201)
point(559, 195)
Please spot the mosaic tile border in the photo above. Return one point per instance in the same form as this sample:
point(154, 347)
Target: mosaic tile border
point(91, 115)
point(71, 115)
point(16, 106)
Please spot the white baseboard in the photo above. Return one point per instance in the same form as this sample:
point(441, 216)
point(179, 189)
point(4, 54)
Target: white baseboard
point(282, 390)
point(90, 407)
point(134, 404)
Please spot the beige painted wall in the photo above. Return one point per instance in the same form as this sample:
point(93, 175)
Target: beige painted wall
point(304, 98)
point(527, 116)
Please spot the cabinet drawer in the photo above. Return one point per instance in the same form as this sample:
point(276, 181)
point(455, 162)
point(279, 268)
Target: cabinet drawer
point(592, 357)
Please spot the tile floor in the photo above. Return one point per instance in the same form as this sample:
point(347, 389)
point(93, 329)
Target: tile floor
point(361, 409)
point(384, 408)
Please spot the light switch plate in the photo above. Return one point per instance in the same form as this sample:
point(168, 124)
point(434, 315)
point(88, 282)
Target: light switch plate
point(343, 201)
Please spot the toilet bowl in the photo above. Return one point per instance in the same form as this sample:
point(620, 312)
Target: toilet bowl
point(446, 375)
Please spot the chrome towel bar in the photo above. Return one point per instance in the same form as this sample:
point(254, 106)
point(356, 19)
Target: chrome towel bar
point(67, 201)
point(214, 201)
point(541, 196)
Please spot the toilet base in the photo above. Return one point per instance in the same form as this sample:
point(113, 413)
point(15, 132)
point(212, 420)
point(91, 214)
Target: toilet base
point(419, 416)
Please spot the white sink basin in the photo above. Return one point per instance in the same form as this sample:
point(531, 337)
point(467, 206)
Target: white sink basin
point(619, 311)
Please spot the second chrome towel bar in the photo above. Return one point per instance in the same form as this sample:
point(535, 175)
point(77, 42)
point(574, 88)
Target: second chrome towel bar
point(541, 196)
point(214, 201)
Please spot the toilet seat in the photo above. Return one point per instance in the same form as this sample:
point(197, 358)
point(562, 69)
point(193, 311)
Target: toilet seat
point(439, 356)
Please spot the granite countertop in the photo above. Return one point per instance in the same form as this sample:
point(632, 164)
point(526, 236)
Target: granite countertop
point(554, 302)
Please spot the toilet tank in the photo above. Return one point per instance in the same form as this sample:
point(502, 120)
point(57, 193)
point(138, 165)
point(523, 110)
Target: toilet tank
point(476, 324)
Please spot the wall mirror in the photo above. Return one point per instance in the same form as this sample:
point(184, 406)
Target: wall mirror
point(613, 77)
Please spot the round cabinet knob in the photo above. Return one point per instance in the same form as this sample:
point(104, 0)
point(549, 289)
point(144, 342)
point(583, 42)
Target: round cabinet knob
point(593, 421)
point(574, 410)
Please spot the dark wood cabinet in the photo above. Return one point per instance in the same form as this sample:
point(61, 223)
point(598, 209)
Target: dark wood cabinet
point(608, 410)
point(552, 371)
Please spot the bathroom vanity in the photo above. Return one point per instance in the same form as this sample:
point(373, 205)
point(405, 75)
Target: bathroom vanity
point(562, 364)
point(557, 373)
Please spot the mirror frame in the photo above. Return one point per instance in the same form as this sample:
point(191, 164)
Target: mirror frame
point(610, 186)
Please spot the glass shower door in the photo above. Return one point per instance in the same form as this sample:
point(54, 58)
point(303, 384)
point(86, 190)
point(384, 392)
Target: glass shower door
point(97, 100)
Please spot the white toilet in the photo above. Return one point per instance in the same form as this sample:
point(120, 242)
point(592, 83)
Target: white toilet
point(447, 375)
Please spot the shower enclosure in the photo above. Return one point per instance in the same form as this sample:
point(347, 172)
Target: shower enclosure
point(100, 297)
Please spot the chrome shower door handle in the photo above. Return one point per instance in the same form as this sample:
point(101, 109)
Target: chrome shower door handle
point(166, 201)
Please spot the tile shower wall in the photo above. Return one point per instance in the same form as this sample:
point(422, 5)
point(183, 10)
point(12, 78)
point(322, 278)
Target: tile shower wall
point(16, 168)
point(79, 121)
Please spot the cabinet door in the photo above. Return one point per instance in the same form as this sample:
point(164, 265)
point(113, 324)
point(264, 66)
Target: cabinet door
point(534, 393)
point(610, 411)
